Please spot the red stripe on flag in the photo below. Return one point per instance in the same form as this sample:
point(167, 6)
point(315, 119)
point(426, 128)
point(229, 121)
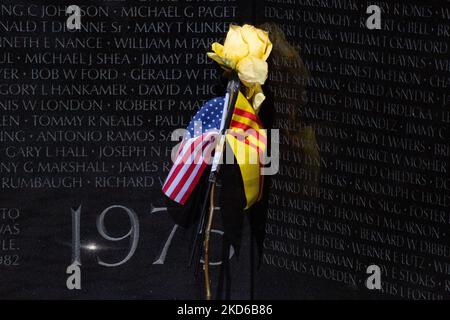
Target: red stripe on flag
point(193, 184)
point(239, 125)
point(243, 138)
point(175, 170)
point(259, 136)
point(248, 115)
point(192, 159)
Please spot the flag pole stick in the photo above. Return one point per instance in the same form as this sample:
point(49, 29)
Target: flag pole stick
point(231, 98)
point(206, 244)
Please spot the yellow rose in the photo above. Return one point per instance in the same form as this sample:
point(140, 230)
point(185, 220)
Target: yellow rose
point(245, 50)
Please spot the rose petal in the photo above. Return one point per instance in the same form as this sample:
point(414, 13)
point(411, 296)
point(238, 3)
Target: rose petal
point(258, 99)
point(268, 51)
point(252, 70)
point(256, 44)
point(217, 48)
point(216, 58)
point(235, 48)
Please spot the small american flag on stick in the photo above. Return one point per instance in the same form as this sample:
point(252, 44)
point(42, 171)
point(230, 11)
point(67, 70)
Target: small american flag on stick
point(195, 152)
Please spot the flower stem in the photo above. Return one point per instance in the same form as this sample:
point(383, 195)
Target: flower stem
point(206, 243)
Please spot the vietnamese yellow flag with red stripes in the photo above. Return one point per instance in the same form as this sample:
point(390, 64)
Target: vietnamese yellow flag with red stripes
point(248, 141)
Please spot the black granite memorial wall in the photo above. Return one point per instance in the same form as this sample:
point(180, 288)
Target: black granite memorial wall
point(86, 118)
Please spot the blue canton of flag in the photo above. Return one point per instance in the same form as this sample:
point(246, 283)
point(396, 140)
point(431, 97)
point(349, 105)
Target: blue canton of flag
point(207, 119)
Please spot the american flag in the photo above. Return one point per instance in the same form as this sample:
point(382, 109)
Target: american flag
point(195, 152)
